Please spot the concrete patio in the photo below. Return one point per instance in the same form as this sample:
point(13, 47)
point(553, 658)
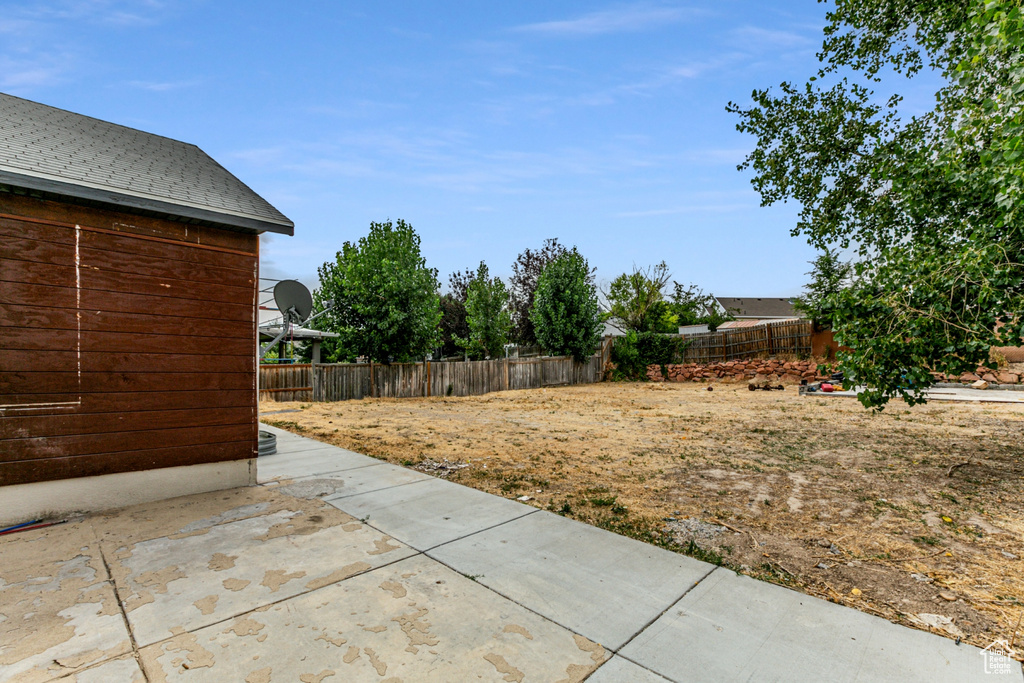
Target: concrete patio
point(340, 567)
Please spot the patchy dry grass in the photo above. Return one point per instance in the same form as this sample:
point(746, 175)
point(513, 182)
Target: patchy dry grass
point(815, 493)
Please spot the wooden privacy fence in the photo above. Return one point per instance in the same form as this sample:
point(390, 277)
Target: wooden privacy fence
point(344, 381)
point(785, 336)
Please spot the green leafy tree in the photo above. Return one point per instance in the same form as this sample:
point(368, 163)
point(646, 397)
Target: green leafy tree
point(386, 305)
point(291, 351)
point(932, 202)
point(565, 313)
point(829, 276)
point(453, 312)
point(691, 306)
point(304, 352)
point(487, 316)
point(636, 300)
point(523, 285)
point(332, 350)
point(453, 324)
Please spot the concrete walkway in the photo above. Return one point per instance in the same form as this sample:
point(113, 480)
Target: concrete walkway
point(340, 567)
point(1006, 394)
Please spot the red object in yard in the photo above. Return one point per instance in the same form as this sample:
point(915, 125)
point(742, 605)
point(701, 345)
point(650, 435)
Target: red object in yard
point(827, 388)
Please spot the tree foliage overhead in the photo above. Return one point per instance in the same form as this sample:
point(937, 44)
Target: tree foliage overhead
point(636, 300)
point(830, 275)
point(523, 284)
point(932, 202)
point(386, 305)
point(565, 314)
point(453, 312)
point(453, 324)
point(487, 316)
point(459, 282)
point(691, 306)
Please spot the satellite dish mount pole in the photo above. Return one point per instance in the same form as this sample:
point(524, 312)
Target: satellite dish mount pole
point(285, 329)
point(295, 303)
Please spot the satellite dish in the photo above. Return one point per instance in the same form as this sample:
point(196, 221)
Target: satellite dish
point(293, 300)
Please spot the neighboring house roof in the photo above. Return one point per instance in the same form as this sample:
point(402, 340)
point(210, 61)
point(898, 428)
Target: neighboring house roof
point(750, 322)
point(611, 329)
point(56, 151)
point(751, 307)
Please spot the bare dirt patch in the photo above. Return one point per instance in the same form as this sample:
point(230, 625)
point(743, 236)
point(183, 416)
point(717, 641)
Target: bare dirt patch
point(814, 493)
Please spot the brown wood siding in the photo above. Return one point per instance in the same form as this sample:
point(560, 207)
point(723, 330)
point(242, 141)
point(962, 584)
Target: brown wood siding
point(115, 221)
point(128, 342)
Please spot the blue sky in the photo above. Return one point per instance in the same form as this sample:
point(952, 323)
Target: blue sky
point(488, 126)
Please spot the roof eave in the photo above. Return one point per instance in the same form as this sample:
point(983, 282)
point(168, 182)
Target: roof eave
point(117, 199)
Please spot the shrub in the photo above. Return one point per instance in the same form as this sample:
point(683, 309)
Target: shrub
point(632, 353)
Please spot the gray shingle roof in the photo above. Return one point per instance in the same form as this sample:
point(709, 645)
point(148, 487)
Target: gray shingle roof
point(53, 150)
point(754, 307)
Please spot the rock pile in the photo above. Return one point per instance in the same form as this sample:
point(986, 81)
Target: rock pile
point(992, 377)
point(737, 370)
point(794, 371)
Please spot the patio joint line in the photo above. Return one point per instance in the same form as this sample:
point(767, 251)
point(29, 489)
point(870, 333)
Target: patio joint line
point(480, 531)
point(295, 457)
point(320, 446)
point(332, 497)
point(614, 651)
point(528, 609)
point(642, 666)
point(283, 599)
point(662, 613)
point(493, 526)
point(313, 476)
point(120, 609)
point(434, 547)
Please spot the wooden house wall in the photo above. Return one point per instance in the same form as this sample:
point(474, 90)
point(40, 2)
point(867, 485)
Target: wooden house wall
point(126, 343)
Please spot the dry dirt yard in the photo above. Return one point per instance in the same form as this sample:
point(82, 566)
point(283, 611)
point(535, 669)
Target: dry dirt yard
point(815, 493)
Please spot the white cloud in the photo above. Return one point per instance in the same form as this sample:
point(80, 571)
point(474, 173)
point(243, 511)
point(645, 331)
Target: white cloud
point(410, 33)
point(355, 108)
point(696, 208)
point(32, 77)
point(15, 26)
point(162, 86)
point(18, 74)
point(449, 160)
point(664, 77)
point(702, 202)
point(114, 12)
point(717, 156)
point(320, 168)
point(756, 37)
point(624, 19)
point(37, 52)
point(262, 156)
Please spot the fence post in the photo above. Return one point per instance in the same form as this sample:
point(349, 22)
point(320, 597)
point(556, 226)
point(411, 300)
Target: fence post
point(768, 336)
point(373, 382)
point(428, 378)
